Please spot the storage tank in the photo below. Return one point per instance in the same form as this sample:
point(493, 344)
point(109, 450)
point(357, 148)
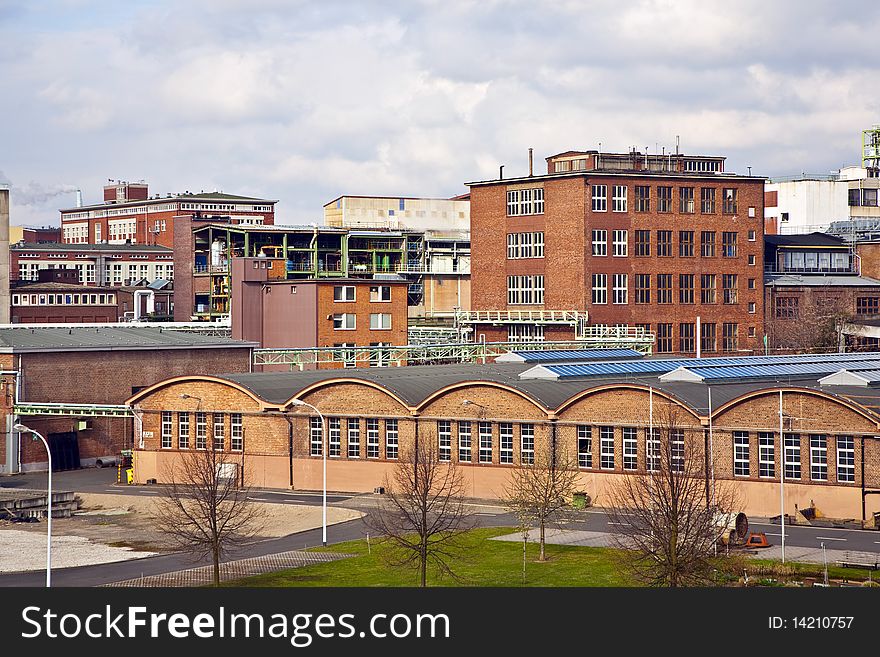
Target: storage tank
point(218, 253)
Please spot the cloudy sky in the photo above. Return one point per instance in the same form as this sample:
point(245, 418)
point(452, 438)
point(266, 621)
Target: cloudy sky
point(305, 101)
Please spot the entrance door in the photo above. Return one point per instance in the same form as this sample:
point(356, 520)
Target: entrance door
point(65, 451)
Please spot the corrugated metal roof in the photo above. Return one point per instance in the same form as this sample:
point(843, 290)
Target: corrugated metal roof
point(561, 355)
point(21, 339)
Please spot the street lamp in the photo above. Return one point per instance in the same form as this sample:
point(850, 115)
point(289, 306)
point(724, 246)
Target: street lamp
point(20, 428)
point(300, 402)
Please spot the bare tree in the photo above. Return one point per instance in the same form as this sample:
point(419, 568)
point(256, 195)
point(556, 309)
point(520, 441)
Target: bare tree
point(668, 516)
point(204, 508)
point(812, 326)
point(540, 493)
point(422, 515)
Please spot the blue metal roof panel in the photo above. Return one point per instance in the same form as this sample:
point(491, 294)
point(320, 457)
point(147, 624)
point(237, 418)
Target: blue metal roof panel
point(576, 354)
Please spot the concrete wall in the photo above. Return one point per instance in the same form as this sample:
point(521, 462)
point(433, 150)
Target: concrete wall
point(4, 256)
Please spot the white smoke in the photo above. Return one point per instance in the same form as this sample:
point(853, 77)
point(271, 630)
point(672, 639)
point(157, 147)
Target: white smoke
point(35, 193)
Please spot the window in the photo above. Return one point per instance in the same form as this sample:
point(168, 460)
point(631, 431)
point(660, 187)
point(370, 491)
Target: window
point(525, 245)
point(686, 243)
point(166, 429)
point(372, 438)
point(786, 307)
point(316, 436)
point(729, 201)
point(664, 243)
point(686, 200)
point(620, 289)
point(707, 288)
point(728, 244)
point(585, 447)
point(792, 456)
point(707, 200)
point(867, 305)
point(525, 333)
point(600, 242)
point(525, 290)
point(354, 439)
point(676, 450)
point(606, 446)
point(643, 288)
point(391, 439)
point(652, 449)
point(766, 455)
point(630, 448)
point(334, 437)
point(380, 321)
point(484, 431)
point(618, 198)
point(751, 284)
point(600, 288)
point(183, 430)
point(707, 244)
point(236, 432)
point(643, 198)
point(343, 293)
point(686, 340)
point(818, 458)
point(525, 201)
point(527, 443)
point(729, 284)
point(740, 453)
point(664, 288)
point(444, 440)
point(752, 260)
point(464, 441)
point(751, 236)
point(505, 442)
point(201, 430)
point(344, 322)
point(752, 309)
point(643, 242)
point(730, 336)
point(685, 288)
point(600, 198)
point(380, 293)
point(664, 338)
point(664, 199)
point(219, 432)
point(619, 245)
point(708, 341)
point(846, 459)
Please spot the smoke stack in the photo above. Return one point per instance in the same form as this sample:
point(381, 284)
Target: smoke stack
point(530, 163)
point(501, 172)
point(79, 198)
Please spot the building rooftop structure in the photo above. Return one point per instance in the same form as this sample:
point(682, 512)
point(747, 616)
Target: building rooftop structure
point(21, 338)
point(92, 248)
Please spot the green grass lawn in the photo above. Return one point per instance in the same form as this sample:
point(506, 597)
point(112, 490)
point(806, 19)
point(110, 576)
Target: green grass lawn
point(482, 562)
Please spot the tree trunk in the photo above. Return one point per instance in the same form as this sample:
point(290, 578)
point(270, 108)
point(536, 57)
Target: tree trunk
point(423, 566)
point(525, 542)
point(216, 558)
point(541, 556)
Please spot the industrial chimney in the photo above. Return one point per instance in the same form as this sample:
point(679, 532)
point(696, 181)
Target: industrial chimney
point(530, 163)
point(79, 198)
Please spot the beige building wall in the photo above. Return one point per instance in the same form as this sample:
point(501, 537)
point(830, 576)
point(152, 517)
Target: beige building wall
point(417, 214)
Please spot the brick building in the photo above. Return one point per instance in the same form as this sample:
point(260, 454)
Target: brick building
point(632, 240)
point(349, 312)
point(79, 365)
point(492, 418)
point(34, 235)
point(130, 215)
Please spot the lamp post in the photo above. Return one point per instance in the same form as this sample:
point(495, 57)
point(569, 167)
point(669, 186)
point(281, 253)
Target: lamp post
point(23, 429)
point(300, 402)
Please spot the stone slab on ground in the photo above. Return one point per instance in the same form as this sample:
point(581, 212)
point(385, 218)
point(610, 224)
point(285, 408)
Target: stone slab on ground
point(26, 550)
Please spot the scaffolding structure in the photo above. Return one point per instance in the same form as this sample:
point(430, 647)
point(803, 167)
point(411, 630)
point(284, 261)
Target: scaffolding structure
point(871, 147)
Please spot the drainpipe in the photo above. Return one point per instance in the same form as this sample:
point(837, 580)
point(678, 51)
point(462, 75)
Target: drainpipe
point(313, 245)
point(699, 335)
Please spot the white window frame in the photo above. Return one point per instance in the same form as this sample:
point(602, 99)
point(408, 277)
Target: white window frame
point(766, 455)
point(353, 438)
point(525, 333)
point(465, 444)
point(334, 437)
point(167, 429)
point(618, 198)
point(372, 438)
point(652, 450)
point(218, 423)
point(741, 454)
point(378, 294)
point(525, 201)
point(183, 430)
point(585, 446)
point(599, 242)
point(606, 448)
point(792, 464)
point(201, 430)
point(316, 435)
point(630, 448)
point(444, 440)
point(818, 457)
point(341, 322)
point(341, 293)
point(527, 444)
point(846, 459)
point(620, 243)
point(484, 435)
point(505, 442)
point(525, 290)
point(236, 432)
point(380, 321)
point(392, 446)
point(599, 295)
point(599, 195)
point(676, 450)
point(620, 290)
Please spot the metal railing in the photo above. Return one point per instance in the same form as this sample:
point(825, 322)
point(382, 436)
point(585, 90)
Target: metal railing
point(571, 317)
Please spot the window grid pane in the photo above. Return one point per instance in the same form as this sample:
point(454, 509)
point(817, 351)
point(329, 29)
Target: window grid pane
point(505, 442)
point(485, 437)
point(444, 440)
point(167, 424)
point(630, 448)
point(236, 432)
point(792, 456)
point(527, 443)
point(183, 430)
point(740, 454)
point(846, 459)
point(354, 439)
point(606, 442)
point(316, 433)
point(391, 439)
point(464, 441)
point(372, 438)
point(818, 458)
point(766, 455)
point(585, 447)
point(334, 448)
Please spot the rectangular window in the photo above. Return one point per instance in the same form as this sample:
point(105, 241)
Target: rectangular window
point(707, 243)
point(600, 242)
point(686, 243)
point(686, 341)
point(707, 288)
point(525, 333)
point(686, 200)
point(343, 293)
point(818, 458)
point(766, 455)
point(525, 201)
point(707, 200)
point(606, 445)
point(372, 438)
point(618, 198)
point(525, 245)
point(344, 322)
point(316, 436)
point(585, 447)
point(354, 439)
point(484, 431)
point(444, 440)
point(630, 448)
point(464, 442)
point(643, 198)
point(183, 430)
point(652, 450)
point(729, 201)
point(741, 453)
point(664, 338)
point(505, 442)
point(751, 236)
point(729, 284)
point(730, 336)
point(527, 443)
point(664, 288)
point(600, 198)
point(380, 293)
point(664, 243)
point(219, 432)
point(664, 199)
point(676, 452)
point(600, 288)
point(643, 288)
point(201, 430)
point(786, 308)
point(334, 437)
point(391, 446)
point(792, 456)
point(620, 289)
point(525, 290)
point(708, 338)
point(728, 244)
point(846, 459)
point(643, 242)
point(167, 424)
point(380, 321)
point(236, 432)
point(685, 288)
point(619, 244)
point(867, 305)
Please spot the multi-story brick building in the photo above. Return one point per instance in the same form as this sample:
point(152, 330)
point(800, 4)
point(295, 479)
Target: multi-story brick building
point(660, 243)
point(98, 264)
point(130, 215)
